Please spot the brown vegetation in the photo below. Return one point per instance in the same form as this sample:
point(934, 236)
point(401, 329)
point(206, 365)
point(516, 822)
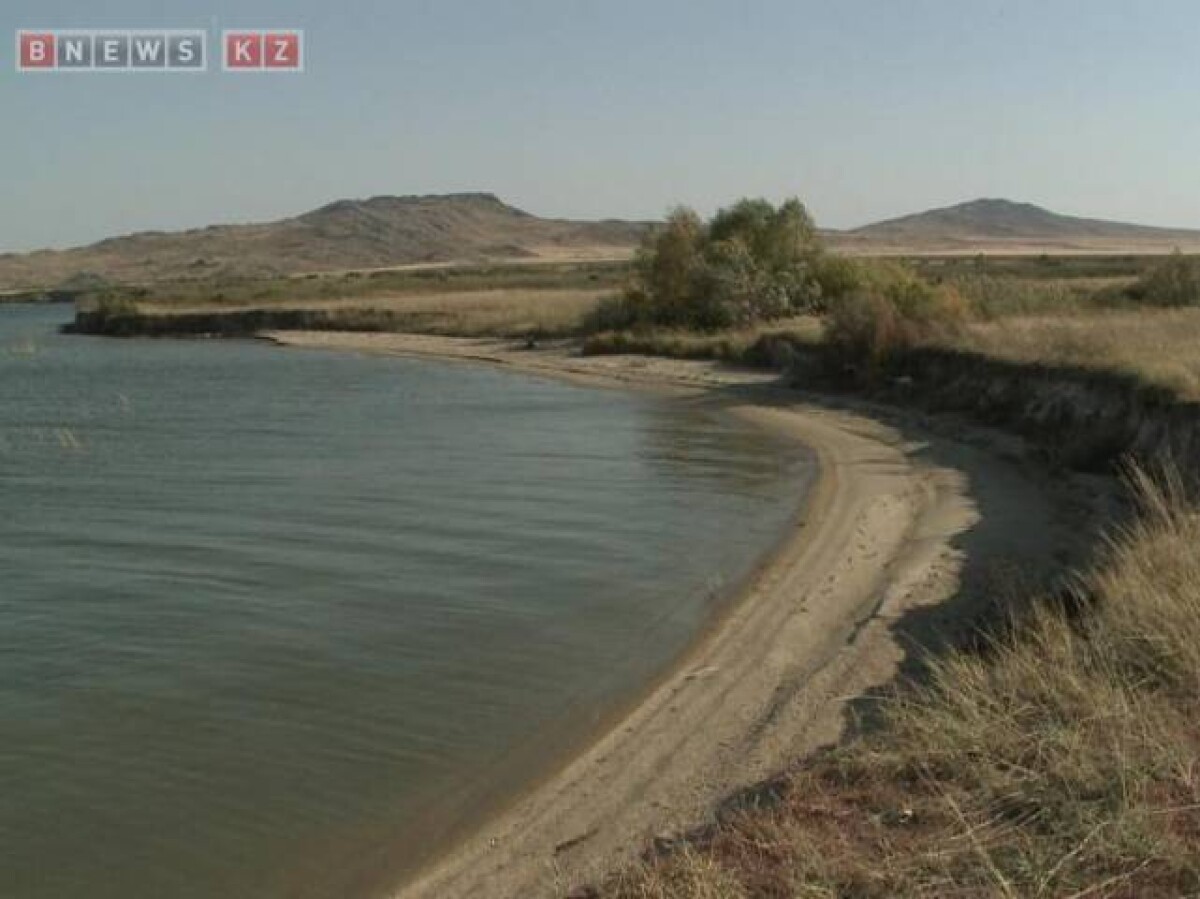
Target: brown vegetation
point(1059, 761)
point(1159, 347)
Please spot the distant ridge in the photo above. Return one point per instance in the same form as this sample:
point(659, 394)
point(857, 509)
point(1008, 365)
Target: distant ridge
point(998, 219)
point(378, 232)
point(389, 231)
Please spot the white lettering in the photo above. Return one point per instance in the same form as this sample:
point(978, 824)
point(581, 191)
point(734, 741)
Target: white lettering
point(147, 50)
point(72, 48)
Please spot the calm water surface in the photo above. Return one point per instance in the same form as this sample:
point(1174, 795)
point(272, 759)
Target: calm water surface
point(273, 622)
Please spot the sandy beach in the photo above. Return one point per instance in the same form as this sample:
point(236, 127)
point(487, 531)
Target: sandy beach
point(905, 534)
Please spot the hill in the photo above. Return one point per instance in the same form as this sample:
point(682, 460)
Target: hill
point(379, 232)
point(997, 223)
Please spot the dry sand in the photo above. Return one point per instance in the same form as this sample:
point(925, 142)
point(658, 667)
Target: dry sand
point(903, 535)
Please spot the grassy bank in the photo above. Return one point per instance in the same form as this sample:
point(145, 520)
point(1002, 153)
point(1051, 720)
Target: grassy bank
point(510, 300)
point(1059, 761)
point(1057, 758)
point(210, 292)
point(503, 312)
point(1156, 346)
point(1060, 756)
point(1094, 360)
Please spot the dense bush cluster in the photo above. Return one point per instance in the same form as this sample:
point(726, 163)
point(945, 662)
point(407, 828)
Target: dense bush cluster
point(886, 310)
point(754, 263)
point(751, 262)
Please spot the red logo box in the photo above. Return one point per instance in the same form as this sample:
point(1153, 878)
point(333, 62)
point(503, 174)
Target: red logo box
point(281, 50)
point(36, 50)
point(243, 50)
point(275, 50)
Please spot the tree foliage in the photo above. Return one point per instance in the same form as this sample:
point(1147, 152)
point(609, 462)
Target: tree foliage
point(751, 262)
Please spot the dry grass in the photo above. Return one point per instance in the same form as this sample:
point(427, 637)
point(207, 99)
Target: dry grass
point(1063, 761)
point(742, 345)
point(1160, 346)
point(1000, 296)
point(468, 313)
point(495, 313)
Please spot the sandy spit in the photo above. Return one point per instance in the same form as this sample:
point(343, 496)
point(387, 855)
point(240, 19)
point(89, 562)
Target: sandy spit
point(903, 534)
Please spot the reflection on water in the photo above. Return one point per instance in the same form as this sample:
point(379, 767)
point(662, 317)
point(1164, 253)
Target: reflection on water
point(270, 621)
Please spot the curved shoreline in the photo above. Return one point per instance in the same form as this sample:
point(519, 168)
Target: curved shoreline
point(769, 679)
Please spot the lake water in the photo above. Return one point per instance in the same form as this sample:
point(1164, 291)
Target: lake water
point(273, 623)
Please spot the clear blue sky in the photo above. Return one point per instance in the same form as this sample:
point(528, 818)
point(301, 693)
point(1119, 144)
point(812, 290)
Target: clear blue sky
point(617, 108)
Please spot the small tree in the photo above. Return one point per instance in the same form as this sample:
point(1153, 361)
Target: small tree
point(752, 261)
point(669, 266)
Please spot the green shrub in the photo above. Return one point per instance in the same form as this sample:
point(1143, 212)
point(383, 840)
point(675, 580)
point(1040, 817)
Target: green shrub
point(837, 277)
point(1173, 282)
point(892, 313)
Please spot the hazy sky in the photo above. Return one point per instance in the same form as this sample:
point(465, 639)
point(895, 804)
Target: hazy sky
point(615, 109)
